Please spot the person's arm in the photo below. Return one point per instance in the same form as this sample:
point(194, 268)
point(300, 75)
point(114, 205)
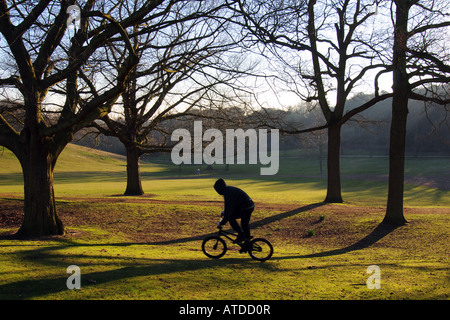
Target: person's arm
point(228, 210)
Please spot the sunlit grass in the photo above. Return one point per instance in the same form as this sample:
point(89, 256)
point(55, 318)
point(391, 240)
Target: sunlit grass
point(149, 247)
point(412, 259)
point(82, 172)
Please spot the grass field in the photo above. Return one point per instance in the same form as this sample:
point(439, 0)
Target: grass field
point(149, 247)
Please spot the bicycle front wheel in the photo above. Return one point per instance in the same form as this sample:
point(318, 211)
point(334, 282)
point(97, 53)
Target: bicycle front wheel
point(260, 249)
point(214, 247)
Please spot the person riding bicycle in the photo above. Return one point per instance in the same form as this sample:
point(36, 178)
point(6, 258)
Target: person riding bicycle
point(238, 205)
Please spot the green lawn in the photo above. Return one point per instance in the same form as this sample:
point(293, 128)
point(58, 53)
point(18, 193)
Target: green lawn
point(149, 247)
point(83, 172)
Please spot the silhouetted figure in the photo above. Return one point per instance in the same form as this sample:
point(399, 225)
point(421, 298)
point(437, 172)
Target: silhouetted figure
point(238, 205)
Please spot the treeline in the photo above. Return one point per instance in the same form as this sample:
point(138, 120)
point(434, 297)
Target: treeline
point(428, 131)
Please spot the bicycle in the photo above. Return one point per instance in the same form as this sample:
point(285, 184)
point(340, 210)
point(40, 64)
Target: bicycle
point(215, 247)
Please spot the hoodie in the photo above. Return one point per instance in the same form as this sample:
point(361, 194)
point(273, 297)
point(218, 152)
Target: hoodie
point(236, 200)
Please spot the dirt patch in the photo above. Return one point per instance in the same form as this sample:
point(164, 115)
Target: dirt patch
point(11, 214)
point(170, 222)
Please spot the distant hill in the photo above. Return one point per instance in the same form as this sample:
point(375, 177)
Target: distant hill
point(74, 158)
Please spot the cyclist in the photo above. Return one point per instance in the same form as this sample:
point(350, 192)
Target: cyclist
point(238, 205)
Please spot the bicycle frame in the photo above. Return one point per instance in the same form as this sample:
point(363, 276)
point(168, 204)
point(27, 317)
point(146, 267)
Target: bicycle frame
point(227, 235)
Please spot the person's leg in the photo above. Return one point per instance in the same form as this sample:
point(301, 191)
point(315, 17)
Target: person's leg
point(235, 225)
point(245, 223)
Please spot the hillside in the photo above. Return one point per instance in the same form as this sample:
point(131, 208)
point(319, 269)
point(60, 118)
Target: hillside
point(73, 158)
point(75, 164)
point(86, 172)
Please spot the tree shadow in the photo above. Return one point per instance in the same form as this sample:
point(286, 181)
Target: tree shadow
point(148, 267)
point(285, 215)
point(253, 225)
point(25, 289)
point(382, 230)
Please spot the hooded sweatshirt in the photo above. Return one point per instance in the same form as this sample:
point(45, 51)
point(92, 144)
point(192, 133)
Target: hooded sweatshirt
point(236, 200)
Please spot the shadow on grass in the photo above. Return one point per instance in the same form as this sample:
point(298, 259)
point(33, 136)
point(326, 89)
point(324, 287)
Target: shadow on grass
point(27, 289)
point(253, 225)
point(139, 267)
point(377, 234)
point(48, 256)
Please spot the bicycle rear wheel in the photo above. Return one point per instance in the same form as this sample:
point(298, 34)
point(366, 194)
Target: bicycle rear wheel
point(260, 249)
point(214, 247)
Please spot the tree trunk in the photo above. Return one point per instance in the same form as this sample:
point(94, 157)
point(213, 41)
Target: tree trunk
point(134, 186)
point(40, 217)
point(394, 209)
point(333, 165)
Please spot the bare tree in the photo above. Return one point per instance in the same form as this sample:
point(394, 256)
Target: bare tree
point(183, 65)
point(35, 42)
point(420, 61)
point(328, 48)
